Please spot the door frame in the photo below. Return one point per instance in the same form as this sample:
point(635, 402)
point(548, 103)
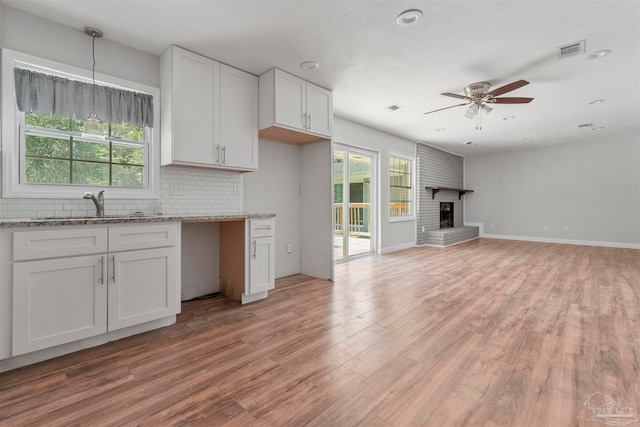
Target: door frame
point(350, 149)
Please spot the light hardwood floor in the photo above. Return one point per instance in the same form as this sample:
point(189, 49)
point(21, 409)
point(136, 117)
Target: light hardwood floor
point(486, 333)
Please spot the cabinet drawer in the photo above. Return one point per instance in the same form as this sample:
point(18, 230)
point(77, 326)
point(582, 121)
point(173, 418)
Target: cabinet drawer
point(261, 227)
point(142, 237)
point(58, 243)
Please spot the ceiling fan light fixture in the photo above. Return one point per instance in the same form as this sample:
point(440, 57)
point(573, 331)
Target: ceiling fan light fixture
point(486, 109)
point(472, 111)
point(409, 17)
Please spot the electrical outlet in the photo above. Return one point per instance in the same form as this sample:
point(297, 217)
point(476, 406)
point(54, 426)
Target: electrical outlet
point(289, 248)
point(236, 188)
point(423, 228)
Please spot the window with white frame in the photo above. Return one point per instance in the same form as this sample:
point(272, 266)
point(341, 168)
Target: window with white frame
point(401, 187)
point(46, 153)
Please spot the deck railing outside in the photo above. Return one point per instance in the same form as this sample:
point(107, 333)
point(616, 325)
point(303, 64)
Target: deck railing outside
point(359, 218)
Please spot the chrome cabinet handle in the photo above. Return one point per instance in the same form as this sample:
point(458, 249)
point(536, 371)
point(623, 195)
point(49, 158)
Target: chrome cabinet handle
point(217, 153)
point(255, 248)
point(224, 154)
point(263, 227)
point(309, 126)
point(102, 270)
point(113, 265)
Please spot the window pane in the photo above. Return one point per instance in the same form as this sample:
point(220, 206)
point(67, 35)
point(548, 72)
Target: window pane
point(400, 183)
point(85, 173)
point(128, 176)
point(96, 151)
point(128, 154)
point(127, 132)
point(46, 171)
point(46, 146)
point(46, 121)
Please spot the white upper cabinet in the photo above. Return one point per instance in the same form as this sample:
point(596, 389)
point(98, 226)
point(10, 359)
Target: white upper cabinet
point(209, 113)
point(293, 110)
point(239, 118)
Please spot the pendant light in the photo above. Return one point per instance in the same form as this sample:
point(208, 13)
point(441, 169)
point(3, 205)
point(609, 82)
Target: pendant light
point(93, 126)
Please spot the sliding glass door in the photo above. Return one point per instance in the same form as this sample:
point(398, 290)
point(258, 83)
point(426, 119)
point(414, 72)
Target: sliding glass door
point(353, 202)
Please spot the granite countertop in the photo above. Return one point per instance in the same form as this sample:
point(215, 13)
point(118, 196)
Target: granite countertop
point(120, 219)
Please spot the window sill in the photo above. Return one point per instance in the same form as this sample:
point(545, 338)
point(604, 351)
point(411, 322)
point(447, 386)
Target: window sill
point(402, 218)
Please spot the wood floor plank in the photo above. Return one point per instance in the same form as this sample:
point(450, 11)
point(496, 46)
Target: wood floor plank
point(485, 333)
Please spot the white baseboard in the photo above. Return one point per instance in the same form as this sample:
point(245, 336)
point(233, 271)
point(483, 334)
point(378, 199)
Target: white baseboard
point(396, 248)
point(562, 241)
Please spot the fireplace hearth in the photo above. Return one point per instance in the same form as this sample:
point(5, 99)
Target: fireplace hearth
point(446, 214)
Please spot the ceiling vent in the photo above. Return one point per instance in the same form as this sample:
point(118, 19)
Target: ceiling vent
point(394, 107)
point(572, 49)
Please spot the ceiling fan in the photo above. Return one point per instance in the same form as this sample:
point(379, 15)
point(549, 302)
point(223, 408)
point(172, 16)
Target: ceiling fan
point(477, 96)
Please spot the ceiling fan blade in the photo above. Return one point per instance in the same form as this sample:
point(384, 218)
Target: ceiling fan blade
point(454, 95)
point(512, 100)
point(508, 88)
point(446, 108)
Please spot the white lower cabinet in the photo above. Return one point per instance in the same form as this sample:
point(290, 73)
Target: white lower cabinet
point(247, 259)
point(65, 299)
point(57, 301)
point(262, 257)
point(141, 288)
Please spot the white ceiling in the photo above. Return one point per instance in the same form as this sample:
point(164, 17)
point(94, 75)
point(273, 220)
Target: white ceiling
point(370, 62)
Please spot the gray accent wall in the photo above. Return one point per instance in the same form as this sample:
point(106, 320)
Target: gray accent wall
point(584, 193)
point(437, 168)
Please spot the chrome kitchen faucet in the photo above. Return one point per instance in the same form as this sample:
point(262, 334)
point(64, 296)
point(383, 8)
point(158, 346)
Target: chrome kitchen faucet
point(98, 201)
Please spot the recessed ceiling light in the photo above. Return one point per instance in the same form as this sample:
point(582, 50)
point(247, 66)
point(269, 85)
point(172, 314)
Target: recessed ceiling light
point(599, 54)
point(409, 17)
point(509, 118)
point(440, 130)
point(598, 128)
point(528, 138)
point(309, 66)
point(597, 101)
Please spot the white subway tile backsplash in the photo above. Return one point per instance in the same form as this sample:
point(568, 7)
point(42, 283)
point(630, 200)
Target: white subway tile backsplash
point(202, 191)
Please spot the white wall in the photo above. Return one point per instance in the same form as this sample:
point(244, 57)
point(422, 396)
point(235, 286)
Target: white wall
point(275, 188)
point(593, 188)
point(391, 235)
point(316, 212)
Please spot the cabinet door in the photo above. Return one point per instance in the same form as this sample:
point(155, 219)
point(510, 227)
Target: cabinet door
point(319, 110)
point(196, 108)
point(239, 118)
point(142, 286)
point(290, 100)
point(58, 301)
point(261, 264)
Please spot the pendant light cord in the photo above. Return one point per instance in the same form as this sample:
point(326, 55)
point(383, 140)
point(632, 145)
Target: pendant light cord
point(93, 73)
